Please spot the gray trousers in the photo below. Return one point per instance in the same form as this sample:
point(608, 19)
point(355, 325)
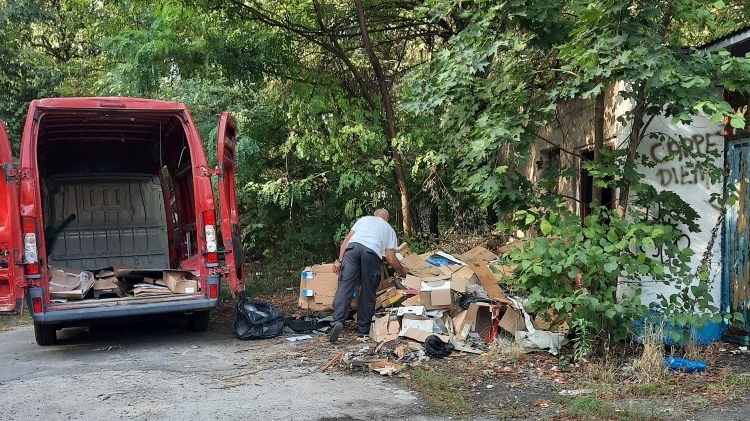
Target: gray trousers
point(360, 267)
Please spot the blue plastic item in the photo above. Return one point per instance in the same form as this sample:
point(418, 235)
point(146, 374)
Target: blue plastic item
point(682, 364)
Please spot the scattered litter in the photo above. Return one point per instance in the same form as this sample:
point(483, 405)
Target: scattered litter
point(682, 364)
point(446, 303)
point(740, 351)
point(576, 392)
point(490, 386)
point(299, 338)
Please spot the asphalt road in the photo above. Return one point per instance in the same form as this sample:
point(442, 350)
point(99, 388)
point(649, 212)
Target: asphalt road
point(159, 370)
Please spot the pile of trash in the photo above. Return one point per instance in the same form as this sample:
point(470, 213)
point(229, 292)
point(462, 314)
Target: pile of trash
point(446, 303)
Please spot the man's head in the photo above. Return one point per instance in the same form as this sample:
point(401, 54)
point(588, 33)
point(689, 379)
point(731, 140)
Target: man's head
point(382, 213)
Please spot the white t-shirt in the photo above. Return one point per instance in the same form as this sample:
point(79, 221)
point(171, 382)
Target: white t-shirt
point(374, 233)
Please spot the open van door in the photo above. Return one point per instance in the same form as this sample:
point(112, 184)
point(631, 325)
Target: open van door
point(11, 275)
point(230, 216)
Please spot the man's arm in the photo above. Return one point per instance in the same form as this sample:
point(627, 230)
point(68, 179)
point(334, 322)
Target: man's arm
point(342, 249)
point(390, 256)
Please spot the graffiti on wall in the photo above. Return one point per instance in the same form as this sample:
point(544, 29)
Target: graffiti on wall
point(672, 156)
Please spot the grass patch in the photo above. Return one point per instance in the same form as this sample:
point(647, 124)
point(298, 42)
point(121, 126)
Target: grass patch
point(591, 408)
point(8, 322)
point(695, 403)
point(441, 391)
point(730, 384)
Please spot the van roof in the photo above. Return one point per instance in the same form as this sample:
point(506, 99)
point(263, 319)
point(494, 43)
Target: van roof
point(118, 103)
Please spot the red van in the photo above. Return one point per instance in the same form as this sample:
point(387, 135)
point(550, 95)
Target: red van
point(113, 183)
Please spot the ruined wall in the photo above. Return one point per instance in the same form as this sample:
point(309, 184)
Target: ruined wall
point(573, 131)
point(672, 172)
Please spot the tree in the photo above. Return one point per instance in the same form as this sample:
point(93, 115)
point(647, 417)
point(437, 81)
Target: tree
point(362, 50)
point(496, 84)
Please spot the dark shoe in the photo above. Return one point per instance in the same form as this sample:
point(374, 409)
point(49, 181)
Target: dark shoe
point(335, 332)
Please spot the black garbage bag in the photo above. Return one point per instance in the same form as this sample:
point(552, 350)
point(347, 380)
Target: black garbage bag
point(257, 320)
point(305, 325)
point(436, 348)
point(467, 299)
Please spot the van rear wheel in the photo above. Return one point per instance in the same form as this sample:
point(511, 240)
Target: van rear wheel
point(45, 334)
point(198, 321)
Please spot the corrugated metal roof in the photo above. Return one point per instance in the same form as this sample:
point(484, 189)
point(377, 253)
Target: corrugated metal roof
point(737, 42)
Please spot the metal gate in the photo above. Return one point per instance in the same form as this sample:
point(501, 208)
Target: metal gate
point(736, 254)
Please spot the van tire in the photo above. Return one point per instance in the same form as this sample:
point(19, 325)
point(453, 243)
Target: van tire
point(45, 334)
point(198, 321)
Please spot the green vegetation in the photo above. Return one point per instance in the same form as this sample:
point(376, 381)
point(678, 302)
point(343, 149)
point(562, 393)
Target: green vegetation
point(441, 390)
point(429, 109)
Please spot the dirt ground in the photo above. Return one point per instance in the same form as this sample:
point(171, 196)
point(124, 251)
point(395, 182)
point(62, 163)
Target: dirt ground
point(271, 375)
point(508, 384)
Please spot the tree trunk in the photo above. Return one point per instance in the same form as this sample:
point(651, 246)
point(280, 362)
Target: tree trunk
point(434, 220)
point(629, 167)
point(389, 123)
point(596, 196)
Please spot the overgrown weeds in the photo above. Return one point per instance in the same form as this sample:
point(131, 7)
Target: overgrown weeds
point(505, 352)
point(649, 369)
point(441, 390)
point(8, 322)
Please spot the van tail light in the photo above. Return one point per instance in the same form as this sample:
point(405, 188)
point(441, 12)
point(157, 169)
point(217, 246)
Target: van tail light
point(30, 249)
point(36, 303)
point(213, 291)
point(209, 226)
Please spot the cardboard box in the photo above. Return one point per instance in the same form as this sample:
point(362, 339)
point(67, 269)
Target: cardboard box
point(438, 294)
point(71, 284)
point(479, 318)
point(463, 323)
point(415, 310)
point(317, 290)
point(385, 328)
point(181, 282)
point(417, 322)
point(512, 321)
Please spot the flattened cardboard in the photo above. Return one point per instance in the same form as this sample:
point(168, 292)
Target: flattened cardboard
point(420, 335)
point(385, 328)
point(501, 271)
point(418, 267)
point(512, 321)
point(463, 323)
point(547, 321)
point(413, 282)
point(180, 281)
point(413, 301)
point(463, 277)
point(478, 253)
point(72, 284)
point(487, 279)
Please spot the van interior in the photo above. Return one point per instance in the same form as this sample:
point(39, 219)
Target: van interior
point(117, 189)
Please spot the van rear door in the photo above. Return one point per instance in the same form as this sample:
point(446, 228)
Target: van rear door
point(230, 216)
point(11, 275)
